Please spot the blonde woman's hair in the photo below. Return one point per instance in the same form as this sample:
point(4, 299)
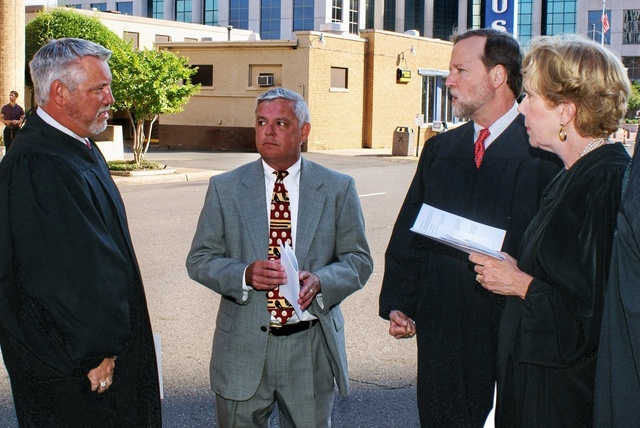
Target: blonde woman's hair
point(571, 69)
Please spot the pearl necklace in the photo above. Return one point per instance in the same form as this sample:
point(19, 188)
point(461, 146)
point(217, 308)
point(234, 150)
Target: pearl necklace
point(593, 144)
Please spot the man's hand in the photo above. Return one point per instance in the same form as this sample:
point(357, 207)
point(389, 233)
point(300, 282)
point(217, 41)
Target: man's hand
point(265, 274)
point(310, 287)
point(101, 377)
point(401, 326)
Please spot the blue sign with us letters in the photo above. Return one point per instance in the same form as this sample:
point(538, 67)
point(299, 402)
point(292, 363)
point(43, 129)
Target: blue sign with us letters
point(501, 15)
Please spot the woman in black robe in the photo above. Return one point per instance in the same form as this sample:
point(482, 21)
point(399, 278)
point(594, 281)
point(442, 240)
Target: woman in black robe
point(576, 95)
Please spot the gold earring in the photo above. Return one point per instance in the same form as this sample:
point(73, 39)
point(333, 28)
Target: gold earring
point(562, 134)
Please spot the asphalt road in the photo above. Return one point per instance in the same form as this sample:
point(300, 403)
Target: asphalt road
point(162, 217)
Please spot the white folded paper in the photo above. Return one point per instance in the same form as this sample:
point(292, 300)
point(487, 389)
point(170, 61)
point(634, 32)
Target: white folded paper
point(290, 290)
point(459, 232)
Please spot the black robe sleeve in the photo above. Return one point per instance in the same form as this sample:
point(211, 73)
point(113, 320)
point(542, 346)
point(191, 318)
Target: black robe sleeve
point(617, 385)
point(403, 254)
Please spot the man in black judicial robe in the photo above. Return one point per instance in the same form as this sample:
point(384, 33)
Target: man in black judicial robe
point(429, 289)
point(617, 384)
point(75, 332)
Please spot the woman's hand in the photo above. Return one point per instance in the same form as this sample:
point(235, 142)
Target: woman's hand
point(501, 276)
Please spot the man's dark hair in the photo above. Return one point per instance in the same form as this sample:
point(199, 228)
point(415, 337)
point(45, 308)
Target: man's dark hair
point(500, 49)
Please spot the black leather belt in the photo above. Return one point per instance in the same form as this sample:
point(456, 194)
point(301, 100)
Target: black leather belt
point(289, 329)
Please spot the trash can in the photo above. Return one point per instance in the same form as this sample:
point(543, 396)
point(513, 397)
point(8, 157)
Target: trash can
point(404, 141)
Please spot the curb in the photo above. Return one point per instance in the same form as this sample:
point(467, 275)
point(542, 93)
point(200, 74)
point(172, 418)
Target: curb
point(181, 175)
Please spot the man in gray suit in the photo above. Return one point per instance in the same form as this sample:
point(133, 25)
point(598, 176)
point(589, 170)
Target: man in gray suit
point(259, 357)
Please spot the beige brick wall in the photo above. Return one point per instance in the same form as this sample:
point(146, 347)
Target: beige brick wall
point(337, 115)
point(393, 104)
point(363, 115)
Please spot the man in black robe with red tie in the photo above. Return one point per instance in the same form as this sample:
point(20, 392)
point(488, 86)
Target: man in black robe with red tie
point(74, 327)
point(429, 289)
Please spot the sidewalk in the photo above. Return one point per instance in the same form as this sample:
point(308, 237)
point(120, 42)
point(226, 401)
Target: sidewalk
point(180, 175)
point(184, 173)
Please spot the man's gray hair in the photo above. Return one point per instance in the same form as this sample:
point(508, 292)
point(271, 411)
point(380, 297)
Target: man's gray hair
point(58, 60)
point(300, 107)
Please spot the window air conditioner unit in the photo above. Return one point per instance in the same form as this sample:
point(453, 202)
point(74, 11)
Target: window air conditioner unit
point(265, 79)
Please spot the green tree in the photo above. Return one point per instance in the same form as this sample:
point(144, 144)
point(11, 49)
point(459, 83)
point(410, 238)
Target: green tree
point(65, 22)
point(150, 83)
point(634, 99)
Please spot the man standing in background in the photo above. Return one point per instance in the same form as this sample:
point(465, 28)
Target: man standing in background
point(12, 117)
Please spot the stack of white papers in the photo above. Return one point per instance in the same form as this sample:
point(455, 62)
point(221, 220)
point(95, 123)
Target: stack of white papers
point(290, 290)
point(459, 232)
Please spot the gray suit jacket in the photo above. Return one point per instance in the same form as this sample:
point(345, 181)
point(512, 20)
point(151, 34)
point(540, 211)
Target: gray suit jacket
point(232, 233)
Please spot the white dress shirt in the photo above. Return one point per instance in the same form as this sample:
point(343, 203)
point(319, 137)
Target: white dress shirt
point(498, 126)
point(292, 184)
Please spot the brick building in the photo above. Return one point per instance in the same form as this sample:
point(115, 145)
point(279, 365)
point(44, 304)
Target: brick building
point(350, 84)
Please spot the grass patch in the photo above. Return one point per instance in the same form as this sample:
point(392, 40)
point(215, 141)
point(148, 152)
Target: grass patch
point(130, 165)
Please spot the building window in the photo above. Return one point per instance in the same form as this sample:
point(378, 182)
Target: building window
point(336, 10)
point(445, 19)
point(74, 6)
point(270, 19)
point(210, 12)
point(133, 37)
point(125, 8)
point(353, 17)
point(264, 75)
point(435, 100)
point(630, 27)
point(370, 13)
point(474, 19)
point(389, 19)
point(155, 9)
point(162, 38)
point(559, 17)
point(239, 14)
point(595, 26)
point(183, 10)
point(525, 21)
point(414, 15)
point(99, 6)
point(303, 15)
point(204, 75)
point(339, 78)
point(632, 63)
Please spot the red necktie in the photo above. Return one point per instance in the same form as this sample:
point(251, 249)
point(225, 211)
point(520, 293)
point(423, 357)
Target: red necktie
point(87, 142)
point(479, 146)
point(279, 232)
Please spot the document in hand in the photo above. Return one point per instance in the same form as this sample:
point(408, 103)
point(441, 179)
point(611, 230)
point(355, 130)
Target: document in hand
point(459, 232)
point(290, 290)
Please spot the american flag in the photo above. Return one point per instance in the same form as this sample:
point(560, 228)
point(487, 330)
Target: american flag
point(605, 23)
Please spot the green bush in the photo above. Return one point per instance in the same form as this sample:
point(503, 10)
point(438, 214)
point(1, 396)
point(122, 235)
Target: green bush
point(145, 165)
